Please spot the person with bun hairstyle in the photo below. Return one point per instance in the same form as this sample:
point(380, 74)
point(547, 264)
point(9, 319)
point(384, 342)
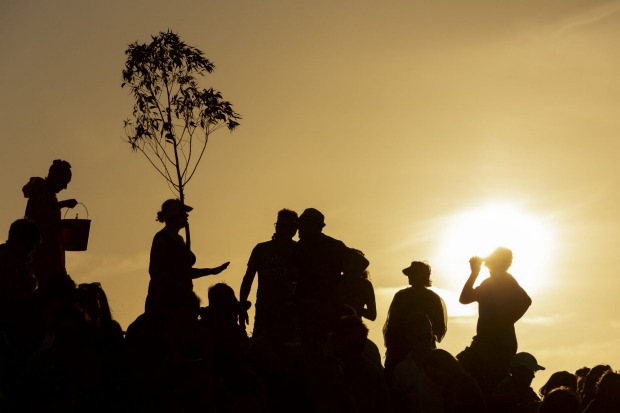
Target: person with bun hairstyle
point(171, 264)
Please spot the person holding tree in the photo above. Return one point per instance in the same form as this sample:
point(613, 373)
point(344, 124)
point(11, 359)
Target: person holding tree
point(172, 262)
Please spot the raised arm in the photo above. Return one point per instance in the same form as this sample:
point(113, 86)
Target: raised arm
point(468, 294)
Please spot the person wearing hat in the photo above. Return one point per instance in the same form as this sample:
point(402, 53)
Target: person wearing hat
point(514, 393)
point(501, 303)
point(171, 265)
point(416, 299)
point(43, 208)
point(322, 262)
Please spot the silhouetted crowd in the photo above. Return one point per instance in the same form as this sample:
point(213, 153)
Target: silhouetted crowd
point(62, 351)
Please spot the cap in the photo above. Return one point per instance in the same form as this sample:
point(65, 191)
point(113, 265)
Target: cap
point(172, 207)
point(417, 268)
point(312, 215)
point(524, 359)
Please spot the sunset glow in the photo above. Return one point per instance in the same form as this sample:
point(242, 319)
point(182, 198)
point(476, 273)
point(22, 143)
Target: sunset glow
point(482, 229)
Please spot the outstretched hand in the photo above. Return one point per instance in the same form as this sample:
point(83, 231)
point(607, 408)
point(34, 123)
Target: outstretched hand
point(68, 203)
point(221, 268)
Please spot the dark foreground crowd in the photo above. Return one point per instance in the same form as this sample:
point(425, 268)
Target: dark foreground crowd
point(62, 351)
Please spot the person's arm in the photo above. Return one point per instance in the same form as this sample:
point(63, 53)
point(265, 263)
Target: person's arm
point(67, 203)
point(370, 311)
point(203, 272)
point(244, 293)
point(468, 294)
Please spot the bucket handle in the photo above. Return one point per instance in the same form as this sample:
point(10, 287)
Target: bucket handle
point(76, 215)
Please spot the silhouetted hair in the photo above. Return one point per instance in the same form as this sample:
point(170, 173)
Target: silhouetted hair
point(557, 380)
point(24, 231)
point(441, 360)
point(561, 400)
point(501, 258)
point(591, 382)
point(220, 293)
point(60, 168)
point(287, 214)
point(608, 390)
point(352, 330)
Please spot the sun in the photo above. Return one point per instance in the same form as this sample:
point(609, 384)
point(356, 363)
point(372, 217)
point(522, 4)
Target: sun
point(482, 229)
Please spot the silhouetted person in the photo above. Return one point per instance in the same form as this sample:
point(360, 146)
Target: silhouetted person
point(363, 379)
point(171, 265)
point(411, 388)
point(272, 261)
point(43, 208)
point(607, 399)
point(17, 285)
point(581, 374)
point(514, 394)
point(559, 379)
point(17, 281)
point(322, 261)
point(461, 393)
point(359, 294)
point(416, 299)
point(561, 400)
point(590, 382)
point(501, 303)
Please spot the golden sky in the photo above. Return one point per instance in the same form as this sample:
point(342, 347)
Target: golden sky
point(422, 130)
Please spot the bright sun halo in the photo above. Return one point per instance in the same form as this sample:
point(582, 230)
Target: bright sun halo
point(479, 231)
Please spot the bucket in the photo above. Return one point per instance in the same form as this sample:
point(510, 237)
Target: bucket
point(74, 232)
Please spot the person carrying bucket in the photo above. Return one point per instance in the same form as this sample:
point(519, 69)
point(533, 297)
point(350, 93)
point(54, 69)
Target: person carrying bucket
point(43, 208)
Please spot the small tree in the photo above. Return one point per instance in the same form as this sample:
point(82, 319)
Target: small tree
point(172, 116)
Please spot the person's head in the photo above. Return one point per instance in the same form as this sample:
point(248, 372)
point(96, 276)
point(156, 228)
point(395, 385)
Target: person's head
point(174, 213)
point(591, 382)
point(443, 368)
point(608, 390)
point(311, 222)
point(418, 331)
point(499, 260)
point(559, 379)
point(223, 302)
point(561, 400)
point(419, 274)
point(349, 337)
point(286, 225)
point(24, 235)
point(59, 175)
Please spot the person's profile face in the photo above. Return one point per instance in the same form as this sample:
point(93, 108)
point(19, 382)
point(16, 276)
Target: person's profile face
point(307, 227)
point(286, 227)
point(60, 181)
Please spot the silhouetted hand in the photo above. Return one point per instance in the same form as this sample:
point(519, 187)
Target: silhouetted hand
point(475, 263)
point(68, 203)
point(221, 268)
point(244, 320)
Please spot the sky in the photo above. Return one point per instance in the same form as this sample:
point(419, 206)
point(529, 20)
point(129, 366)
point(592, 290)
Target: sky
point(422, 130)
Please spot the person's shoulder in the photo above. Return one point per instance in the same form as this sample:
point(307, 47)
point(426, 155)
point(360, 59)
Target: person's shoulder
point(432, 293)
point(263, 245)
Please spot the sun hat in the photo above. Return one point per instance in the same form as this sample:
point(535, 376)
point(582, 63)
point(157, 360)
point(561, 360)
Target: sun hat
point(173, 207)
